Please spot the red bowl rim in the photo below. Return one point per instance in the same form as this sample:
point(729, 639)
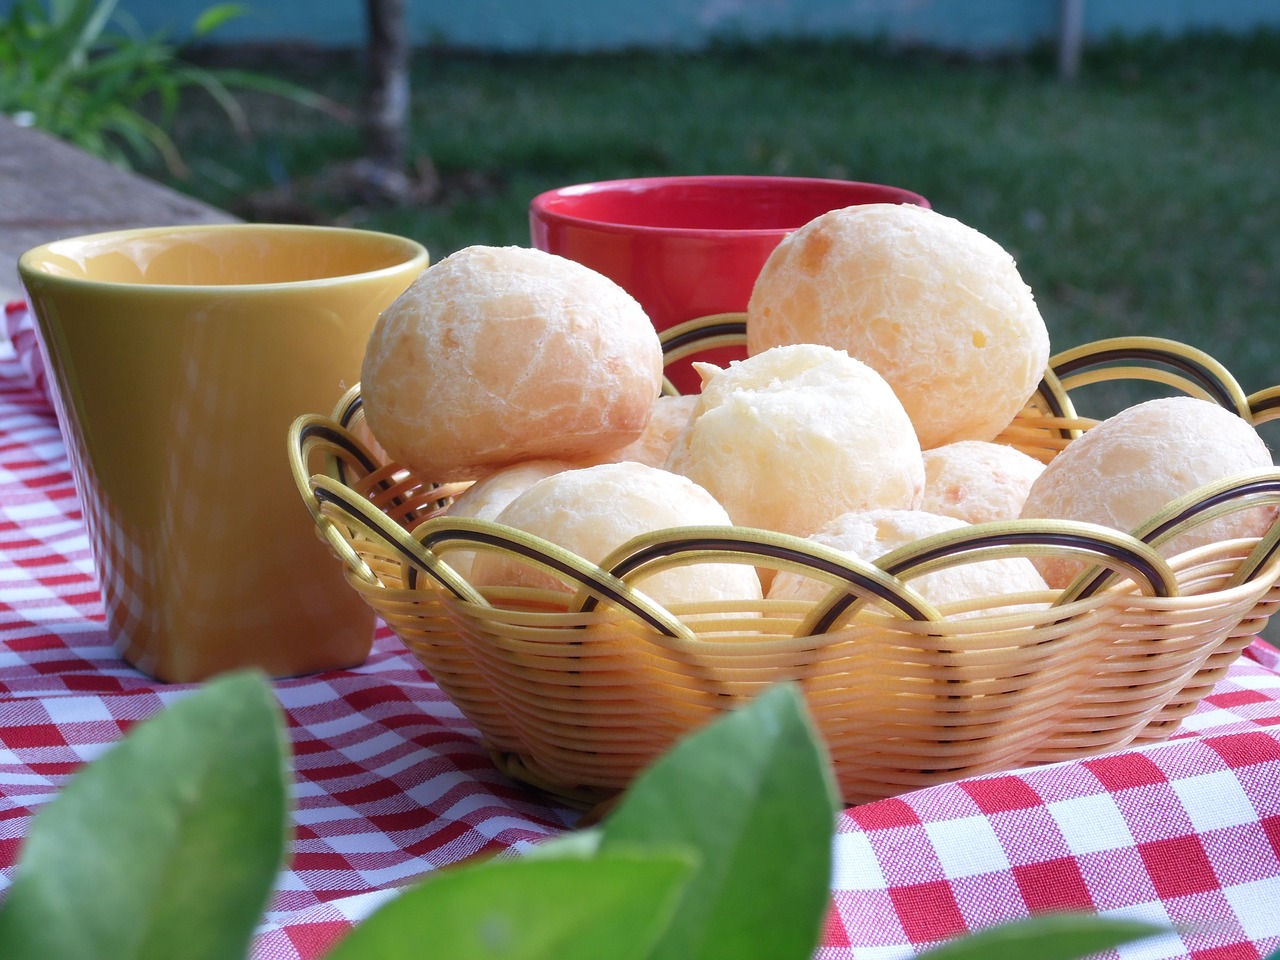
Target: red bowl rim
point(543, 206)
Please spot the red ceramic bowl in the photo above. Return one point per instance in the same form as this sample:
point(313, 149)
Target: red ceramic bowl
point(689, 247)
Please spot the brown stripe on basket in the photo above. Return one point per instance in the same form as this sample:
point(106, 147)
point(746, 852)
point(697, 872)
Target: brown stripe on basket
point(1153, 350)
point(1017, 538)
point(1264, 405)
point(779, 551)
point(336, 432)
point(1266, 484)
point(685, 334)
point(1057, 402)
point(338, 438)
point(328, 496)
point(430, 538)
point(390, 534)
point(1263, 486)
point(344, 414)
point(351, 404)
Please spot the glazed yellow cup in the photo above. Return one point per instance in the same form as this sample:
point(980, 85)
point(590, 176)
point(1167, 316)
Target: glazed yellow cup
point(180, 356)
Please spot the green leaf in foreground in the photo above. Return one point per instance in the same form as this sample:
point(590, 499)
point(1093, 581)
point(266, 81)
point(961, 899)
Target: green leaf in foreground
point(173, 837)
point(1058, 936)
point(580, 844)
point(753, 794)
point(610, 906)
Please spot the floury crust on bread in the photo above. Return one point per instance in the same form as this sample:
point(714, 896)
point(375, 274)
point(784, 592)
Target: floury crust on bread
point(797, 435)
point(1130, 466)
point(500, 354)
point(978, 481)
point(593, 510)
point(869, 535)
point(935, 306)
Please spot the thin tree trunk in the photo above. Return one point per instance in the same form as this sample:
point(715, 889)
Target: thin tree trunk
point(386, 124)
point(1070, 38)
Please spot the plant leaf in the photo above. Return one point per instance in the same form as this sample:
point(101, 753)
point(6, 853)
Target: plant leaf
point(1062, 936)
point(582, 844)
point(173, 837)
point(215, 16)
point(610, 906)
point(70, 63)
point(753, 794)
point(284, 89)
point(80, 26)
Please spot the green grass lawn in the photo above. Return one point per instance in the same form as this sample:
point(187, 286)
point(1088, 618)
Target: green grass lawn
point(1143, 198)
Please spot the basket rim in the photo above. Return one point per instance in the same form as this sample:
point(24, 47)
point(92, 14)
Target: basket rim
point(1122, 557)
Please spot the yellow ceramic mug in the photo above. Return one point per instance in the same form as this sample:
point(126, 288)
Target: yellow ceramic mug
point(180, 356)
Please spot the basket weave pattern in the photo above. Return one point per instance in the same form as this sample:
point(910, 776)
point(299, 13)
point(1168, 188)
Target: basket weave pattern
point(574, 692)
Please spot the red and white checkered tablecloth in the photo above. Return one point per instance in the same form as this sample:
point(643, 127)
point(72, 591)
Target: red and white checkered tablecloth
point(390, 781)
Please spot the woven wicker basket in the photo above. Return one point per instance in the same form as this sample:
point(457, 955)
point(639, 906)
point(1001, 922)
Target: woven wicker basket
point(575, 692)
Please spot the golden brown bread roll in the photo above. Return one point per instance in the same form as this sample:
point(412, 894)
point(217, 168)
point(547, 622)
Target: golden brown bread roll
point(869, 535)
point(1128, 467)
point(938, 308)
point(592, 510)
point(978, 481)
point(500, 354)
point(487, 498)
point(792, 437)
point(669, 416)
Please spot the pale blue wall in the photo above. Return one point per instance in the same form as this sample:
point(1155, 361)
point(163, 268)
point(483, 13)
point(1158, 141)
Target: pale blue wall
point(974, 25)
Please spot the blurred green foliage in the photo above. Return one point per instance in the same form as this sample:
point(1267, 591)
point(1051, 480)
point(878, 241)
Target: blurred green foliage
point(1141, 198)
point(82, 71)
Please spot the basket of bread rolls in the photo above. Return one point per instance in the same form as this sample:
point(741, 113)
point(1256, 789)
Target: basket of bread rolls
point(891, 502)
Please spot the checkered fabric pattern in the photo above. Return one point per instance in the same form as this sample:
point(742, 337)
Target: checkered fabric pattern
point(391, 783)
